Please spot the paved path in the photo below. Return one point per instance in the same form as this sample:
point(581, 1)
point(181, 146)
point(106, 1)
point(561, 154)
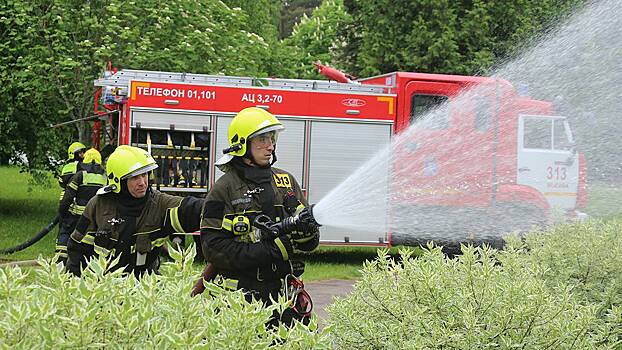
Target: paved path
point(323, 292)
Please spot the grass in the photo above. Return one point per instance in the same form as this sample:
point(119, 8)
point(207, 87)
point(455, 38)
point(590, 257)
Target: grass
point(24, 211)
point(338, 262)
point(604, 201)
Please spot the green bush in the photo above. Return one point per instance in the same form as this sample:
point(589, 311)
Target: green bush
point(483, 299)
point(587, 256)
point(47, 308)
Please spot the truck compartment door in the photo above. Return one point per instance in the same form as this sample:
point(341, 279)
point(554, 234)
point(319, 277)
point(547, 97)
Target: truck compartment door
point(337, 150)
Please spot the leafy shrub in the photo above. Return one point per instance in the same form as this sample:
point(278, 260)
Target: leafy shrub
point(483, 299)
point(587, 256)
point(56, 310)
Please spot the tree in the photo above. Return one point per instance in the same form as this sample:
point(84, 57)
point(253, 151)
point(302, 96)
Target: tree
point(263, 16)
point(292, 12)
point(315, 37)
point(51, 51)
point(440, 36)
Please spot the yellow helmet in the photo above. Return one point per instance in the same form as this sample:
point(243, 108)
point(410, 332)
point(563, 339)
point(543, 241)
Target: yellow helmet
point(92, 155)
point(249, 122)
point(125, 162)
point(73, 148)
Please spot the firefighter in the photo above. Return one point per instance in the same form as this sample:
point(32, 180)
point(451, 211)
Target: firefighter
point(128, 219)
point(81, 188)
point(260, 262)
point(75, 154)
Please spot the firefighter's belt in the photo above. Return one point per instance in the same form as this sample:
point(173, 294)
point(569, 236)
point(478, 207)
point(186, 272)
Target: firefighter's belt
point(252, 285)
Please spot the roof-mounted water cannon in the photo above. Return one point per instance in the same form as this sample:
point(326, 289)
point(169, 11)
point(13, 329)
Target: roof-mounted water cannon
point(334, 74)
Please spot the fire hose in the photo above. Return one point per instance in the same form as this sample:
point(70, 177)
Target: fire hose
point(33, 240)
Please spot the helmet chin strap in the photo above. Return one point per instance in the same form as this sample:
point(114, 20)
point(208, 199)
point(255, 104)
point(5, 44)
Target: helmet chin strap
point(273, 156)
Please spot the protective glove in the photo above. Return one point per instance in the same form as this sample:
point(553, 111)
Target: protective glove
point(306, 221)
point(104, 239)
point(267, 227)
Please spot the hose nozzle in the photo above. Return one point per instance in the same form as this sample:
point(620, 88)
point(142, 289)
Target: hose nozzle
point(290, 224)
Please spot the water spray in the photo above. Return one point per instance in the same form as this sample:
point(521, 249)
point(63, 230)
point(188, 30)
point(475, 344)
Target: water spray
point(575, 68)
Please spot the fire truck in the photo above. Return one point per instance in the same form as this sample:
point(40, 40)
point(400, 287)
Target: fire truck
point(518, 153)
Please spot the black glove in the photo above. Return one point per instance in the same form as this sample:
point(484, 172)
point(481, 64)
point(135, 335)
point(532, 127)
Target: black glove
point(267, 227)
point(103, 238)
point(306, 221)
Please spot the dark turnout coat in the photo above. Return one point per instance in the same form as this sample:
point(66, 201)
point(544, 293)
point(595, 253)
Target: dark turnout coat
point(105, 229)
point(235, 248)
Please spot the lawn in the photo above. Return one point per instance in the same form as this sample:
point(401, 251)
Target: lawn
point(24, 211)
point(604, 201)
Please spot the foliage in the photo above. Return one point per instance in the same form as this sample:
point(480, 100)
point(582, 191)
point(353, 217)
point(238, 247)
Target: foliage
point(111, 310)
point(463, 37)
point(553, 289)
point(584, 256)
point(263, 16)
point(51, 52)
point(480, 300)
point(313, 37)
point(292, 12)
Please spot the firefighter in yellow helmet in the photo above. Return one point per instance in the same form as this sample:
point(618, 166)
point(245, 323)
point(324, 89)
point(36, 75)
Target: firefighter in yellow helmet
point(128, 219)
point(81, 188)
point(255, 218)
point(75, 154)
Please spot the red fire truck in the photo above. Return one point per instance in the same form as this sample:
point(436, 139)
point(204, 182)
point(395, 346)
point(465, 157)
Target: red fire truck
point(518, 152)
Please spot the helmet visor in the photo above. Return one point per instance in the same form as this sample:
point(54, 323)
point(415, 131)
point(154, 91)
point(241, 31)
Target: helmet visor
point(276, 128)
point(141, 170)
point(265, 139)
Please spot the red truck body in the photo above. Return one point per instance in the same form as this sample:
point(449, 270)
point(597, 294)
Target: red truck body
point(469, 143)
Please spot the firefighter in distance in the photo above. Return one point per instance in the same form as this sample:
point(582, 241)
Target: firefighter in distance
point(73, 164)
point(128, 219)
point(81, 188)
point(242, 229)
point(75, 155)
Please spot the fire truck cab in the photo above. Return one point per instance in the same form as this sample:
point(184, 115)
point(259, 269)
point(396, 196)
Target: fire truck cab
point(482, 157)
point(514, 149)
